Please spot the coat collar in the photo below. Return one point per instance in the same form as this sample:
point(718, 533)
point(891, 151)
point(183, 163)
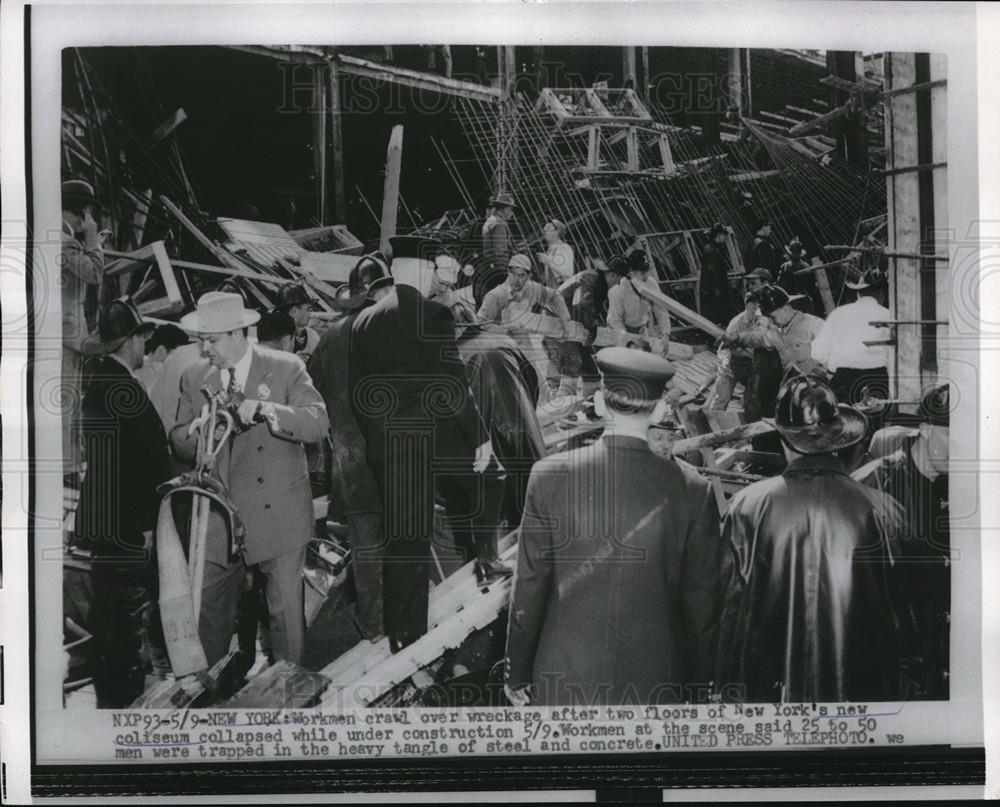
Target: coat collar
point(625, 441)
point(810, 463)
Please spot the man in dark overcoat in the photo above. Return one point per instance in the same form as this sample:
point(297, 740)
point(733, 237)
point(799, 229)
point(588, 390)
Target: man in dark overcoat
point(354, 493)
point(716, 300)
point(615, 596)
point(810, 610)
point(419, 419)
point(127, 459)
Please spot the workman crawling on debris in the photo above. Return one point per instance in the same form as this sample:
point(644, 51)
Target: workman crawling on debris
point(792, 335)
point(612, 531)
point(509, 306)
point(734, 362)
point(264, 467)
point(633, 312)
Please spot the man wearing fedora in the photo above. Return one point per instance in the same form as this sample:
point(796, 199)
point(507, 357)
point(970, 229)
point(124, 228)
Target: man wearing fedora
point(127, 459)
point(81, 265)
point(354, 495)
point(497, 245)
point(419, 420)
point(795, 283)
point(763, 252)
point(278, 410)
point(810, 613)
point(715, 298)
point(616, 593)
point(296, 302)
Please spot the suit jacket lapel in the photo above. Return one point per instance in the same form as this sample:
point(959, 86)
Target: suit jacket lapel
point(255, 375)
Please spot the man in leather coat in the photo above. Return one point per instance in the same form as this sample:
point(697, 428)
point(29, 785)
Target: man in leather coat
point(810, 613)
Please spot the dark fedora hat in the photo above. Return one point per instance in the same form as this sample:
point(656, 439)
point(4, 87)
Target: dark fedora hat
point(633, 376)
point(369, 273)
point(76, 190)
point(119, 320)
point(291, 295)
point(760, 224)
point(810, 420)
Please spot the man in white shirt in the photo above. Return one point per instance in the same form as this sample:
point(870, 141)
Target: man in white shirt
point(859, 370)
point(631, 313)
point(509, 306)
point(558, 258)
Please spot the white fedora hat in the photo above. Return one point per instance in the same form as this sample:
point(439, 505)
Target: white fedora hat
point(219, 312)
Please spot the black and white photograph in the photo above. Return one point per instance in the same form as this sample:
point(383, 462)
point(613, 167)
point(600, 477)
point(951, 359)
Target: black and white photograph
point(522, 396)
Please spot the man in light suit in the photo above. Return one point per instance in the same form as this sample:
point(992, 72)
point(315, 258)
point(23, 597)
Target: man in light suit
point(264, 467)
point(616, 594)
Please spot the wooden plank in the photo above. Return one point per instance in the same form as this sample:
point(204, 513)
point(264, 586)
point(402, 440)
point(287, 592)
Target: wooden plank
point(632, 146)
point(390, 192)
point(337, 143)
point(353, 66)
point(318, 114)
point(823, 285)
point(594, 148)
point(903, 199)
point(721, 438)
point(372, 670)
point(282, 685)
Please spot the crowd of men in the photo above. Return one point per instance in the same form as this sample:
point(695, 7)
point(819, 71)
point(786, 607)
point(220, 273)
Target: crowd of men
point(418, 394)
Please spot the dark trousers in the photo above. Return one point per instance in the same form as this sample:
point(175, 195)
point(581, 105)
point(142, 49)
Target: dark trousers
point(406, 482)
point(761, 396)
point(473, 504)
point(368, 555)
point(120, 617)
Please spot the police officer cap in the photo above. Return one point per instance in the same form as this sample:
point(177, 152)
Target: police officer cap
point(633, 375)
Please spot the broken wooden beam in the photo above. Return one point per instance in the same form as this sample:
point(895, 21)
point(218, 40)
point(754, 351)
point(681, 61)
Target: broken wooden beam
point(823, 120)
point(720, 438)
point(390, 192)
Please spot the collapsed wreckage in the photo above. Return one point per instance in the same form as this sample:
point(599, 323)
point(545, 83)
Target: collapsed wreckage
point(818, 150)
